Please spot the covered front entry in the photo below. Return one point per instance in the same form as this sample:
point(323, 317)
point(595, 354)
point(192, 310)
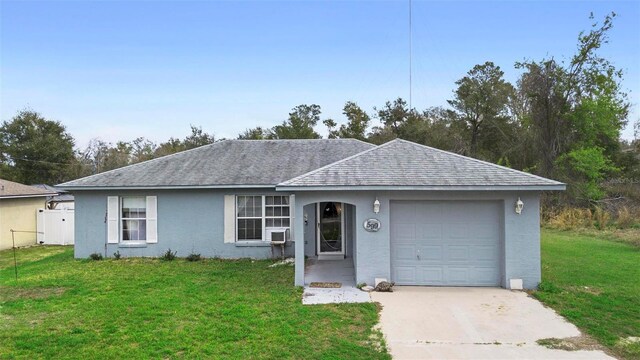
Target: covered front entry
point(446, 243)
point(329, 242)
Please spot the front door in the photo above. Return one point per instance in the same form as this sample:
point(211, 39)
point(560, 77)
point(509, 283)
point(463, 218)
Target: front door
point(330, 233)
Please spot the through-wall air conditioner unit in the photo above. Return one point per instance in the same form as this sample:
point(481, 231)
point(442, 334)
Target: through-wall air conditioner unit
point(277, 235)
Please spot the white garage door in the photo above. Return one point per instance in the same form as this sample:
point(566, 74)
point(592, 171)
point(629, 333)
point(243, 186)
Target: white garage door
point(447, 243)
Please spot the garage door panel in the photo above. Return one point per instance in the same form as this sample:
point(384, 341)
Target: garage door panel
point(407, 213)
point(486, 253)
point(458, 275)
point(428, 214)
point(405, 275)
point(457, 231)
point(458, 243)
point(431, 253)
point(432, 275)
point(428, 232)
point(405, 252)
point(405, 232)
point(458, 252)
point(485, 275)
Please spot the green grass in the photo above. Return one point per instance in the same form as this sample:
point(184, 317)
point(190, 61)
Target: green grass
point(147, 308)
point(595, 284)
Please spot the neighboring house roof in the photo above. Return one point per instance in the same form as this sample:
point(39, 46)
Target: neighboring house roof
point(401, 164)
point(229, 163)
point(10, 190)
point(63, 196)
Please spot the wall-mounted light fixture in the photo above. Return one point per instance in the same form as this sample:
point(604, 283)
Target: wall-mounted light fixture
point(376, 206)
point(519, 206)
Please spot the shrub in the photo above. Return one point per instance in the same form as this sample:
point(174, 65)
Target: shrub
point(571, 218)
point(117, 255)
point(169, 255)
point(194, 257)
point(624, 218)
point(95, 256)
point(602, 218)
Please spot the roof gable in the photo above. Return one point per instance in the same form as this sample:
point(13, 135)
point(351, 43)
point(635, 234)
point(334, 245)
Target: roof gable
point(403, 164)
point(229, 163)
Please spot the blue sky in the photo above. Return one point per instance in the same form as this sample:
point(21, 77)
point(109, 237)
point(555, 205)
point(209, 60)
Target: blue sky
point(120, 70)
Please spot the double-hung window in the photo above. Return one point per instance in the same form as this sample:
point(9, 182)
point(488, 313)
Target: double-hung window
point(257, 213)
point(249, 215)
point(133, 214)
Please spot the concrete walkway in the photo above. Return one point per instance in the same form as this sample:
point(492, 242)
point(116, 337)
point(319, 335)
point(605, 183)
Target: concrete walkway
point(471, 323)
point(345, 294)
point(340, 271)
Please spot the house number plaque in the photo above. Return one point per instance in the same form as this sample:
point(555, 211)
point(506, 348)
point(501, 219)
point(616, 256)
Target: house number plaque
point(372, 225)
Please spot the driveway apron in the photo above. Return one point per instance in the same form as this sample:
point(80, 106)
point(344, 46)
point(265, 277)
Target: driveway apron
point(472, 323)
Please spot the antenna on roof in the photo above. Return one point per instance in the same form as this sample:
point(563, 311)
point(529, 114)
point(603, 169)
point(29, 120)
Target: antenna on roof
point(410, 57)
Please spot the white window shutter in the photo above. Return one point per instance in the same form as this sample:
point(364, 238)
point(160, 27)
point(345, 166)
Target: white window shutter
point(113, 212)
point(152, 219)
point(229, 218)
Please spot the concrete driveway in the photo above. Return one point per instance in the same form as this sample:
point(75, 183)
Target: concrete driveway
point(472, 323)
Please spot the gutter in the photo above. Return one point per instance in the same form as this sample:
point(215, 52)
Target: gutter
point(26, 196)
point(559, 186)
point(165, 187)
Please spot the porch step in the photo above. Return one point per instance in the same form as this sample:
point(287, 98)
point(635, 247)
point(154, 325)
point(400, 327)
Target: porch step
point(331, 257)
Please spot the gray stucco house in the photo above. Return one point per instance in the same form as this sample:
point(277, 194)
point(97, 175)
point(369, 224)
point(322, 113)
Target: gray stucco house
point(402, 211)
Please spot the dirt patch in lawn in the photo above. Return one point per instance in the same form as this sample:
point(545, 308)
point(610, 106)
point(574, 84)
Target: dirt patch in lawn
point(582, 342)
point(586, 289)
point(10, 293)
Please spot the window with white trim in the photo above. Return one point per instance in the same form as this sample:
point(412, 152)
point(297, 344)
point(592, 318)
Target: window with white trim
point(257, 213)
point(249, 218)
point(133, 216)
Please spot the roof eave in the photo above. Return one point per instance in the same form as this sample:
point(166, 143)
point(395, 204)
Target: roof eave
point(164, 187)
point(25, 196)
point(541, 187)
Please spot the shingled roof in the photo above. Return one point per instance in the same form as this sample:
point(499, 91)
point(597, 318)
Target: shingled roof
point(400, 164)
point(229, 163)
point(10, 189)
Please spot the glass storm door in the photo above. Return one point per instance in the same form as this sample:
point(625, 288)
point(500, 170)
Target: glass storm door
point(330, 230)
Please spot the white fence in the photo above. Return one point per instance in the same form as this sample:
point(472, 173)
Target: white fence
point(55, 227)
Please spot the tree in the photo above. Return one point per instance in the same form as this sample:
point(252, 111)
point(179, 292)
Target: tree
point(393, 114)
point(196, 139)
point(300, 124)
point(34, 149)
point(142, 150)
point(257, 133)
point(586, 167)
point(331, 125)
point(356, 126)
point(169, 147)
point(575, 106)
point(481, 101)
point(437, 127)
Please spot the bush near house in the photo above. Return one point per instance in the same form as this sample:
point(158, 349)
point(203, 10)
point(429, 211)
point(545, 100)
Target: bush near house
point(149, 308)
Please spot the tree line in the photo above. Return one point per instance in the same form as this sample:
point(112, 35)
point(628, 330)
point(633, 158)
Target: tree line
point(560, 119)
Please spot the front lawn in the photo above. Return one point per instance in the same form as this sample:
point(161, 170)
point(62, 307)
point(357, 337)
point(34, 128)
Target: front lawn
point(595, 284)
point(148, 308)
